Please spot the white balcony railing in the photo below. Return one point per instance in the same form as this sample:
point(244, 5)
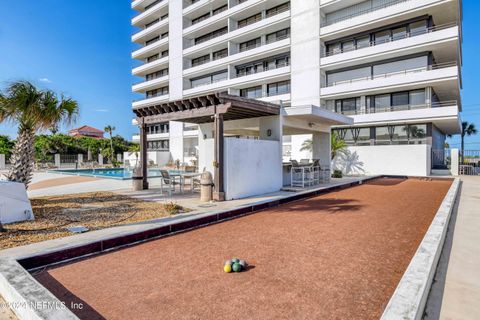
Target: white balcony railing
point(383, 4)
point(389, 40)
point(355, 112)
point(393, 74)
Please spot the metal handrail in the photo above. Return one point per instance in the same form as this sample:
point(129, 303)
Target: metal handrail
point(148, 80)
point(391, 39)
point(263, 70)
point(396, 73)
point(450, 103)
point(362, 12)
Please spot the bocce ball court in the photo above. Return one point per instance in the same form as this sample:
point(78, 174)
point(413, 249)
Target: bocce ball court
point(339, 255)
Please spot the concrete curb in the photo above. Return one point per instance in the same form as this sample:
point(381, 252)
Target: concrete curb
point(409, 299)
point(29, 299)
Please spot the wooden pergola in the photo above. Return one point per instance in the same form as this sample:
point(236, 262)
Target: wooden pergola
point(216, 108)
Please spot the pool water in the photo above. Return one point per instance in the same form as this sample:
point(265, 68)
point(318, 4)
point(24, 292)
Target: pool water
point(113, 173)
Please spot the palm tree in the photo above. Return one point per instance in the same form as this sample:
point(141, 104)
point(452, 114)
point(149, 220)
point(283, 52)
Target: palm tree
point(134, 149)
point(33, 110)
point(109, 129)
point(307, 145)
point(337, 145)
point(468, 129)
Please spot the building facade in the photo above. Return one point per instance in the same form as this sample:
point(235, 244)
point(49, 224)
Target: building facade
point(394, 66)
point(86, 131)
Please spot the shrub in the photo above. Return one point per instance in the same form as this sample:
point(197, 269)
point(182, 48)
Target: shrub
point(172, 208)
point(337, 174)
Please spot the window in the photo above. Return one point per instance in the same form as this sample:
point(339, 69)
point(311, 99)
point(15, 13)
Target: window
point(220, 54)
point(152, 4)
point(158, 145)
point(164, 53)
point(363, 42)
point(348, 46)
point(277, 88)
point(278, 9)
point(263, 65)
point(200, 60)
point(399, 33)
point(148, 25)
point(153, 58)
point(381, 102)
point(397, 101)
point(279, 35)
point(349, 106)
point(382, 37)
point(348, 76)
point(155, 75)
point(211, 35)
point(400, 99)
point(201, 18)
point(417, 28)
point(209, 79)
point(247, 21)
point(251, 44)
point(157, 92)
point(148, 42)
point(417, 97)
point(253, 92)
point(220, 9)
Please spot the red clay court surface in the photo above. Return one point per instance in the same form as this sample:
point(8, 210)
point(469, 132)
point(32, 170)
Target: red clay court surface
point(335, 256)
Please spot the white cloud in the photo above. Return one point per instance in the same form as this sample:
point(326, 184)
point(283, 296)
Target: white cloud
point(101, 110)
point(46, 80)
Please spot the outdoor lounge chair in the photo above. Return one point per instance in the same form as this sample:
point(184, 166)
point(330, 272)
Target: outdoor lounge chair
point(169, 182)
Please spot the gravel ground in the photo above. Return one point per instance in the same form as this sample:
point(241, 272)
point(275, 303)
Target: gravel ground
point(95, 211)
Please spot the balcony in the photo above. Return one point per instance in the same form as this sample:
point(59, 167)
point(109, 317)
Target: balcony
point(274, 23)
point(158, 28)
point(444, 115)
point(390, 11)
point(356, 112)
point(150, 14)
point(150, 101)
point(150, 67)
point(261, 52)
point(445, 74)
point(252, 80)
point(442, 38)
point(150, 84)
point(150, 49)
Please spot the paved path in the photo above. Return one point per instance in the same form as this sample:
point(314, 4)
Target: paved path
point(455, 293)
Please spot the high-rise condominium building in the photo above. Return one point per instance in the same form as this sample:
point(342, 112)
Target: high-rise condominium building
point(392, 65)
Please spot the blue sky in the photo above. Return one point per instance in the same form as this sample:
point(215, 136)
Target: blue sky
point(82, 48)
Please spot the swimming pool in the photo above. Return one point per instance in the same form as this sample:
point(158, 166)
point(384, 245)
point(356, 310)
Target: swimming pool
point(112, 173)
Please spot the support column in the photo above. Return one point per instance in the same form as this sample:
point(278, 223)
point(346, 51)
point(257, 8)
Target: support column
point(219, 193)
point(143, 154)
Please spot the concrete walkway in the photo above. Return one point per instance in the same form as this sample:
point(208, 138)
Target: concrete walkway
point(455, 293)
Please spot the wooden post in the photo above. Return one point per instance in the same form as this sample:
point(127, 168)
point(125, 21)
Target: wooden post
point(143, 154)
point(219, 193)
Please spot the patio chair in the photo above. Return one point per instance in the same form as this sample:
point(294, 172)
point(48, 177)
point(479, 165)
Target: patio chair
point(304, 162)
point(295, 163)
point(169, 182)
point(316, 172)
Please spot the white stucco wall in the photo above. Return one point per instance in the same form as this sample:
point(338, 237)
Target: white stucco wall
point(159, 158)
point(411, 160)
point(252, 167)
